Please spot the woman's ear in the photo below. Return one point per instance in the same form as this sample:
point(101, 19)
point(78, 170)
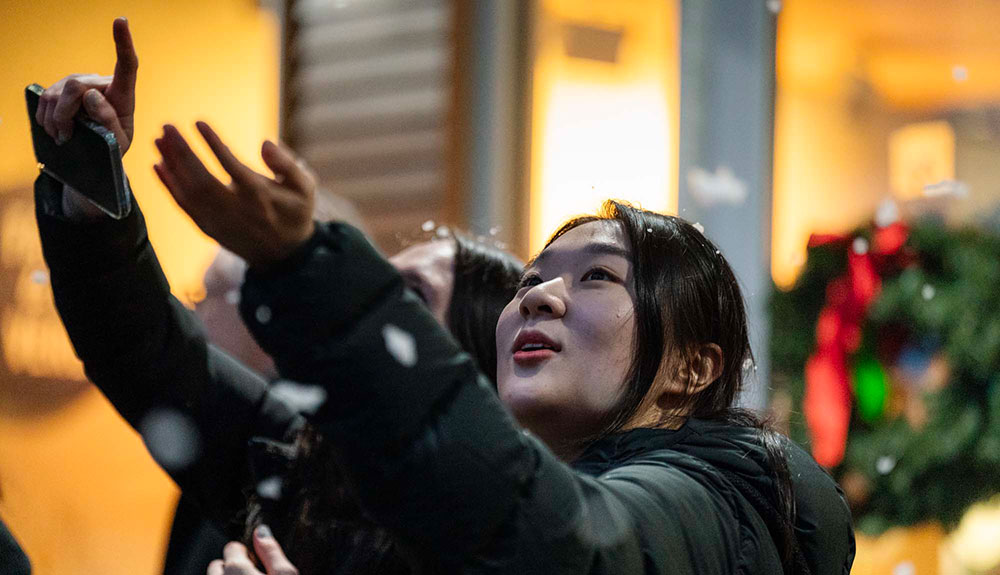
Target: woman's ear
point(691, 374)
point(705, 367)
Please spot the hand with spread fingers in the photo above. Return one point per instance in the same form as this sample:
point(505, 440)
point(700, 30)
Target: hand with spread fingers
point(261, 219)
point(236, 560)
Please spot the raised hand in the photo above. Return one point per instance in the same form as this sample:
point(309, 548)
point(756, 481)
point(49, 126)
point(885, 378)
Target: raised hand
point(236, 560)
point(261, 219)
point(108, 100)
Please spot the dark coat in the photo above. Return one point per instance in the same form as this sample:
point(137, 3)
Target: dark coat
point(13, 561)
point(433, 455)
point(438, 461)
point(145, 351)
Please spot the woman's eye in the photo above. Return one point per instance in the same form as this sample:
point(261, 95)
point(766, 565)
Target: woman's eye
point(528, 281)
point(597, 274)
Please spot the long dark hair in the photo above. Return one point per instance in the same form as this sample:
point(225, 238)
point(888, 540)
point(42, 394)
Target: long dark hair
point(486, 279)
point(687, 295)
point(317, 519)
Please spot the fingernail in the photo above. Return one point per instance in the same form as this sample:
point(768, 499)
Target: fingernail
point(263, 532)
point(91, 98)
point(62, 138)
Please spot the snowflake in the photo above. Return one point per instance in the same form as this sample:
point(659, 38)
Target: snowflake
point(302, 398)
point(928, 292)
point(270, 488)
point(885, 464)
point(171, 437)
point(860, 246)
point(400, 344)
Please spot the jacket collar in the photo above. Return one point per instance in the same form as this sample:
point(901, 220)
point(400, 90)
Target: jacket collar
point(613, 450)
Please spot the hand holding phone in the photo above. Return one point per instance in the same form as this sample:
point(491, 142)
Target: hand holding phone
point(83, 148)
point(112, 104)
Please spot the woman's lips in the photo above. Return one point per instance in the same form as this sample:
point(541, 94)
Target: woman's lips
point(533, 357)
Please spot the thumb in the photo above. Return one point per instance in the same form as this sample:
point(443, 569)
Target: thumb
point(101, 111)
point(270, 554)
point(289, 170)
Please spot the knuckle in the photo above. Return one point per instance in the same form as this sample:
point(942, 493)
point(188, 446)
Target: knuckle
point(73, 86)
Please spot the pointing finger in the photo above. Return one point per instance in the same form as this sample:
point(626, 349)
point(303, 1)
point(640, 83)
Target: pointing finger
point(122, 89)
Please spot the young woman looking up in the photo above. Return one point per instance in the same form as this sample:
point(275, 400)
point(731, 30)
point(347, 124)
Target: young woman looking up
point(623, 352)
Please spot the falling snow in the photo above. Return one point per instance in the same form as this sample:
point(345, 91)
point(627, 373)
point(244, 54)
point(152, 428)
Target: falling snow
point(928, 292)
point(885, 464)
point(302, 398)
point(699, 227)
point(719, 187)
point(442, 232)
point(400, 344)
point(946, 189)
point(427, 226)
point(233, 297)
point(860, 246)
point(171, 437)
point(494, 230)
point(904, 568)
point(270, 488)
point(262, 314)
point(887, 213)
point(39, 276)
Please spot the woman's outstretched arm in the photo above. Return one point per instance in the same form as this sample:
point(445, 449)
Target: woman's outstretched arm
point(147, 353)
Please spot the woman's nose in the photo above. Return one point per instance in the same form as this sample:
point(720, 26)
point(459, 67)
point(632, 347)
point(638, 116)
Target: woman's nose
point(548, 298)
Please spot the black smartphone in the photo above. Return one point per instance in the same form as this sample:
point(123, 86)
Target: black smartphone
point(89, 162)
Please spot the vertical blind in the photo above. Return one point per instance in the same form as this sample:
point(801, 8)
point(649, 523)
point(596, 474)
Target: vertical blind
point(367, 95)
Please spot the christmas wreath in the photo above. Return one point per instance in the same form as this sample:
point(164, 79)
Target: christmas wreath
point(888, 346)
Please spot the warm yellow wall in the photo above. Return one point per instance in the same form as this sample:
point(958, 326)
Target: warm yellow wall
point(830, 138)
point(603, 130)
point(77, 486)
point(849, 72)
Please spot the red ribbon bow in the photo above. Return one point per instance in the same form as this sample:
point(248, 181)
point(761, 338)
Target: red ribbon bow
point(827, 402)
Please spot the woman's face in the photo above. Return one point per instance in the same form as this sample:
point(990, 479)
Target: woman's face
point(564, 343)
point(429, 270)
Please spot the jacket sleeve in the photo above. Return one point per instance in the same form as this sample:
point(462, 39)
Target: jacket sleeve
point(433, 455)
point(146, 352)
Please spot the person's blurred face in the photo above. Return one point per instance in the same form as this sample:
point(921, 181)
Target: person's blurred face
point(429, 270)
point(564, 343)
point(220, 314)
